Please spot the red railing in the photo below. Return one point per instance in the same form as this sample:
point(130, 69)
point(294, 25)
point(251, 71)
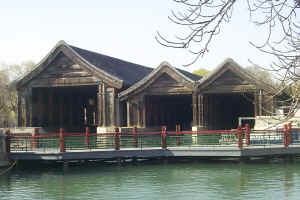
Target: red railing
point(117, 140)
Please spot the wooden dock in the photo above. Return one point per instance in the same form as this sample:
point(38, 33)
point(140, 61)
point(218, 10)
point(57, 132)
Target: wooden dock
point(236, 143)
point(149, 153)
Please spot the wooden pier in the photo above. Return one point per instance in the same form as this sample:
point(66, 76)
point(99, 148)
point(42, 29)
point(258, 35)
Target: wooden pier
point(215, 144)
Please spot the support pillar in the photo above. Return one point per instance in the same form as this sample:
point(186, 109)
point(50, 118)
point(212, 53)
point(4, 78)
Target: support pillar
point(20, 109)
point(138, 115)
point(70, 111)
point(195, 110)
point(201, 111)
point(60, 110)
point(104, 105)
point(112, 112)
point(260, 103)
point(128, 104)
point(28, 105)
point(50, 107)
point(99, 105)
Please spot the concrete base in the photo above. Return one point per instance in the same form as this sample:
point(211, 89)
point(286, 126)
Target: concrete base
point(105, 129)
point(26, 130)
point(126, 129)
point(198, 128)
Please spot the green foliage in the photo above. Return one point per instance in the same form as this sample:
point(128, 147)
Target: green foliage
point(201, 72)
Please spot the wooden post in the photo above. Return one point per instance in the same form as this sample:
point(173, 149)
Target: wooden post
point(117, 139)
point(260, 103)
point(87, 137)
point(195, 111)
point(20, 108)
point(247, 130)
point(201, 111)
point(285, 132)
point(240, 137)
point(99, 105)
point(113, 109)
point(7, 141)
point(61, 140)
point(50, 111)
point(70, 110)
point(177, 134)
point(128, 104)
point(61, 106)
point(40, 110)
point(34, 140)
point(135, 137)
point(103, 105)
point(164, 137)
point(289, 130)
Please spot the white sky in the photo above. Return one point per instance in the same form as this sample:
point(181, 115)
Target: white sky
point(122, 29)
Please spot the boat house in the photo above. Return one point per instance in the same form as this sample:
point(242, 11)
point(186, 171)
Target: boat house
point(74, 88)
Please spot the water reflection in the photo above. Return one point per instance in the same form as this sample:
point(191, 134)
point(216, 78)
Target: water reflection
point(205, 180)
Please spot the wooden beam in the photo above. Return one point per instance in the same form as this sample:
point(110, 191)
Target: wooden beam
point(99, 105)
point(28, 106)
point(103, 105)
point(144, 112)
point(260, 103)
point(195, 111)
point(70, 110)
point(128, 104)
point(40, 110)
point(138, 110)
point(201, 110)
point(20, 110)
point(60, 99)
point(50, 106)
point(112, 112)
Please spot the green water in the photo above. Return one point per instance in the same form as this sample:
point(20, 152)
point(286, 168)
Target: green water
point(193, 180)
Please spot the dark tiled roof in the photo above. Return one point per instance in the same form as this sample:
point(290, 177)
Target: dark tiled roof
point(194, 77)
point(130, 73)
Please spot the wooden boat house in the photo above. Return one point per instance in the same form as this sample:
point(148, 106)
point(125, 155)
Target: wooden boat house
point(74, 88)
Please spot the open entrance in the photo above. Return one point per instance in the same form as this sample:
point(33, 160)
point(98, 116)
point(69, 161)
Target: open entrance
point(225, 109)
point(72, 108)
point(169, 110)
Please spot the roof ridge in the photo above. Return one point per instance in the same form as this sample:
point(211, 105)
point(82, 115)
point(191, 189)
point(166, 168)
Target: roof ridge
point(94, 52)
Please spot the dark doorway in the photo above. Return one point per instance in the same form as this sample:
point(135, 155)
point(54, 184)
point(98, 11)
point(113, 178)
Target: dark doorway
point(225, 109)
point(72, 108)
point(169, 110)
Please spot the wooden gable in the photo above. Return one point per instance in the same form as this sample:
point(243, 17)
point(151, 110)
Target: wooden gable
point(228, 81)
point(62, 71)
point(165, 84)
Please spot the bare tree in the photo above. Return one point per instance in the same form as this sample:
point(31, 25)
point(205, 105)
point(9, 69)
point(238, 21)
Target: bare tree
point(8, 94)
point(204, 19)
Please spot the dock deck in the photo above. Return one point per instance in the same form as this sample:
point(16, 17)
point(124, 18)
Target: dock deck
point(236, 143)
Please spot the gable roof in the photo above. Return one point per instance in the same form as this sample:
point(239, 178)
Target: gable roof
point(129, 72)
point(120, 72)
point(188, 78)
point(230, 64)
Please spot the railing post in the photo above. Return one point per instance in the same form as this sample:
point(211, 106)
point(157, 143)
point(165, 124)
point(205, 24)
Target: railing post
point(164, 137)
point(86, 137)
point(289, 130)
point(240, 137)
point(285, 132)
point(7, 141)
point(247, 130)
point(117, 139)
point(135, 137)
point(61, 140)
point(34, 139)
point(177, 134)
